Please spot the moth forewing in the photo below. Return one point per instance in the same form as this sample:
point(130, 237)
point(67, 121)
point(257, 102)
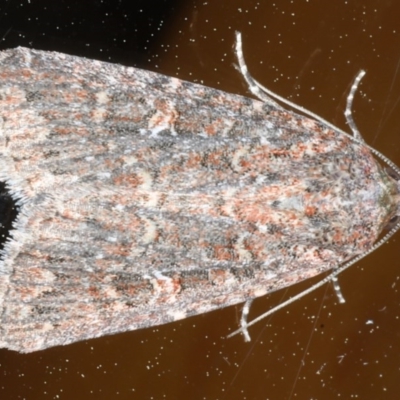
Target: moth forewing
point(143, 199)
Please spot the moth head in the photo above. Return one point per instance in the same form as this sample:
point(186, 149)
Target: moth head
point(393, 197)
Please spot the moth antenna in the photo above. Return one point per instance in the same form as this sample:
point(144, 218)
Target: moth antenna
point(243, 320)
point(337, 289)
point(253, 85)
point(349, 104)
point(264, 94)
point(329, 278)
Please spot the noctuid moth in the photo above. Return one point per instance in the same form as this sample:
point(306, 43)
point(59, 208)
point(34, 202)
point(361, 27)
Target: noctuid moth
point(140, 199)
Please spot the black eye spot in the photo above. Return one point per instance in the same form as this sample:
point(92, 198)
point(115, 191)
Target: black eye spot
point(392, 173)
point(392, 223)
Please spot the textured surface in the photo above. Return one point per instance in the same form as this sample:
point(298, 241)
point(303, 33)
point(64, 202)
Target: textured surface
point(145, 199)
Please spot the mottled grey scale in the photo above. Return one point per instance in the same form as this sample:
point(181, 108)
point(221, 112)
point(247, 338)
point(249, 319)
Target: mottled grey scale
point(144, 199)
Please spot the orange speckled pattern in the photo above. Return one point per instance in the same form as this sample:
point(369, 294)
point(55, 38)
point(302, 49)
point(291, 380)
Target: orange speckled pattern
point(145, 199)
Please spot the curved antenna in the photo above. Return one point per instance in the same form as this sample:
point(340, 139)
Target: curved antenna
point(349, 104)
point(264, 94)
point(329, 278)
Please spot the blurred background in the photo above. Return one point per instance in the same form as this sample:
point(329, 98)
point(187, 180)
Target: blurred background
point(308, 51)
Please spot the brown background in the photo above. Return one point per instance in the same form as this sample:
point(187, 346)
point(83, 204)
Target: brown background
point(307, 51)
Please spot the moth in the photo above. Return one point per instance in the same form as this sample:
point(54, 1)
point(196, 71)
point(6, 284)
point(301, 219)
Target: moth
point(135, 199)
